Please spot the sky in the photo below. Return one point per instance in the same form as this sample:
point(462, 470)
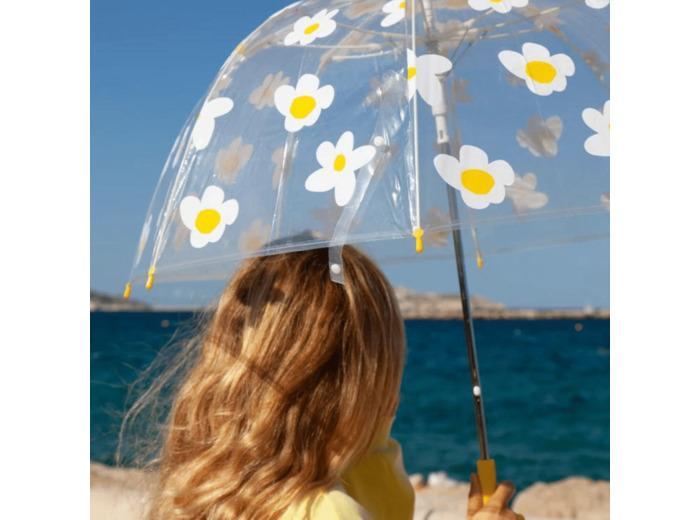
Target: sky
point(150, 63)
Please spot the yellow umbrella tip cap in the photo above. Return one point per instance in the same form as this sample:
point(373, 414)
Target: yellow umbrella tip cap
point(149, 282)
point(418, 235)
point(127, 291)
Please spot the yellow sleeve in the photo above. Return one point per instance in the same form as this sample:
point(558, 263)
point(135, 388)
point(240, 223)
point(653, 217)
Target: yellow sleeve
point(331, 505)
point(379, 481)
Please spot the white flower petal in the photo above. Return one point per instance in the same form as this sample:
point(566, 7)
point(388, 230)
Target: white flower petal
point(307, 83)
point(321, 180)
point(428, 67)
point(360, 156)
point(535, 52)
point(344, 187)
point(197, 239)
point(325, 154)
point(449, 169)
point(394, 17)
point(229, 211)
point(302, 23)
point(189, 208)
point(501, 172)
point(345, 143)
point(514, 62)
point(597, 4)
point(202, 132)
point(541, 89)
point(292, 124)
point(563, 64)
point(291, 38)
point(217, 233)
point(312, 117)
point(284, 95)
point(497, 194)
point(474, 201)
point(325, 29)
point(480, 5)
point(473, 157)
point(213, 197)
point(325, 96)
point(598, 144)
point(594, 119)
point(217, 107)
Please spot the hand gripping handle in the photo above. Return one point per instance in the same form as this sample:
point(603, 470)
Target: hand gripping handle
point(486, 469)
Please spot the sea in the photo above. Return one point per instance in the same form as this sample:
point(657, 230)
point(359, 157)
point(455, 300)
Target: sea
point(545, 386)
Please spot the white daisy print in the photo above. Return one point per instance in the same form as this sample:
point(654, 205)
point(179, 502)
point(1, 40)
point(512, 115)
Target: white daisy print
point(523, 195)
point(479, 181)
point(543, 74)
point(207, 218)
point(598, 144)
point(396, 11)
point(204, 127)
point(307, 29)
point(500, 6)
point(597, 4)
point(301, 105)
point(339, 164)
point(422, 75)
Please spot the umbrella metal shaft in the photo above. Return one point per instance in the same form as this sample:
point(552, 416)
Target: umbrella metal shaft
point(468, 326)
point(439, 111)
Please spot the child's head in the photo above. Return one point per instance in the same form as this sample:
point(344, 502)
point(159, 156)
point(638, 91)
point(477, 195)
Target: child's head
point(295, 376)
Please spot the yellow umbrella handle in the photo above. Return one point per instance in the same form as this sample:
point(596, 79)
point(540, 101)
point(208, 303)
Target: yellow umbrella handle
point(486, 469)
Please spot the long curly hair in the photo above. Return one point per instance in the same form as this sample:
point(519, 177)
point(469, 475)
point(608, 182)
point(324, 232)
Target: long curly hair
point(294, 376)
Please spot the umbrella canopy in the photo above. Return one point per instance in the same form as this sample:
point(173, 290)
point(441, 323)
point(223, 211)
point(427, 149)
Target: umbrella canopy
point(357, 121)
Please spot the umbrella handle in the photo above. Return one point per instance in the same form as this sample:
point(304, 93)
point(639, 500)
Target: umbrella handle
point(486, 470)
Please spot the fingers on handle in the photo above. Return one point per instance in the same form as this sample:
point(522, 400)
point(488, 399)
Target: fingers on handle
point(504, 492)
point(476, 500)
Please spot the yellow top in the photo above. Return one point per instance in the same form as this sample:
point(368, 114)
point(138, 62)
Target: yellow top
point(377, 488)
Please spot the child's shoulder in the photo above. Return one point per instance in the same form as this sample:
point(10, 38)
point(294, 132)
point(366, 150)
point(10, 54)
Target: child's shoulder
point(334, 504)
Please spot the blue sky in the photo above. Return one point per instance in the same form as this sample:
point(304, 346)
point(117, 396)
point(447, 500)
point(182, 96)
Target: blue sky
point(150, 64)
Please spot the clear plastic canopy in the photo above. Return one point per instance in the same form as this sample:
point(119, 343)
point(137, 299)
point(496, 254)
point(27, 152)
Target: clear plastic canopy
point(348, 122)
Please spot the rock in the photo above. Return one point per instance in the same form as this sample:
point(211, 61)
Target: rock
point(574, 497)
point(441, 479)
point(122, 494)
point(417, 481)
point(442, 502)
point(118, 493)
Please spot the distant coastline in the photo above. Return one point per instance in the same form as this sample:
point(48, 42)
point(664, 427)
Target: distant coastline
point(413, 305)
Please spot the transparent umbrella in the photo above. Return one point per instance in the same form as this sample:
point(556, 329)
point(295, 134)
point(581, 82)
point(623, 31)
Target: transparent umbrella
point(339, 122)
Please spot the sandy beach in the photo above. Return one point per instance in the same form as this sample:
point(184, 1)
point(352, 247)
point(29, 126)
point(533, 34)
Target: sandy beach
point(122, 494)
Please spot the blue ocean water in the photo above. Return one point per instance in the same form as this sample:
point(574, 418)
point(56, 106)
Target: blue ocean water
point(546, 388)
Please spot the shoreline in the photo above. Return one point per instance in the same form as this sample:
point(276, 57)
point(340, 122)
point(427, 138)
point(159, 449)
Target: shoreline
point(121, 493)
point(413, 306)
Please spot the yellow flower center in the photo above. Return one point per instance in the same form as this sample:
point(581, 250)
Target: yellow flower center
point(207, 220)
point(496, 1)
point(411, 72)
point(540, 71)
point(477, 181)
point(402, 5)
point(311, 28)
point(302, 106)
point(339, 163)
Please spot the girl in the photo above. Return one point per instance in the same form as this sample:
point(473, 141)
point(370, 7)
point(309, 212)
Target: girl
point(287, 411)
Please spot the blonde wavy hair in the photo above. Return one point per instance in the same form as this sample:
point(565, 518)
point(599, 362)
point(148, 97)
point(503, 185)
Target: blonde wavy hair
point(295, 376)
